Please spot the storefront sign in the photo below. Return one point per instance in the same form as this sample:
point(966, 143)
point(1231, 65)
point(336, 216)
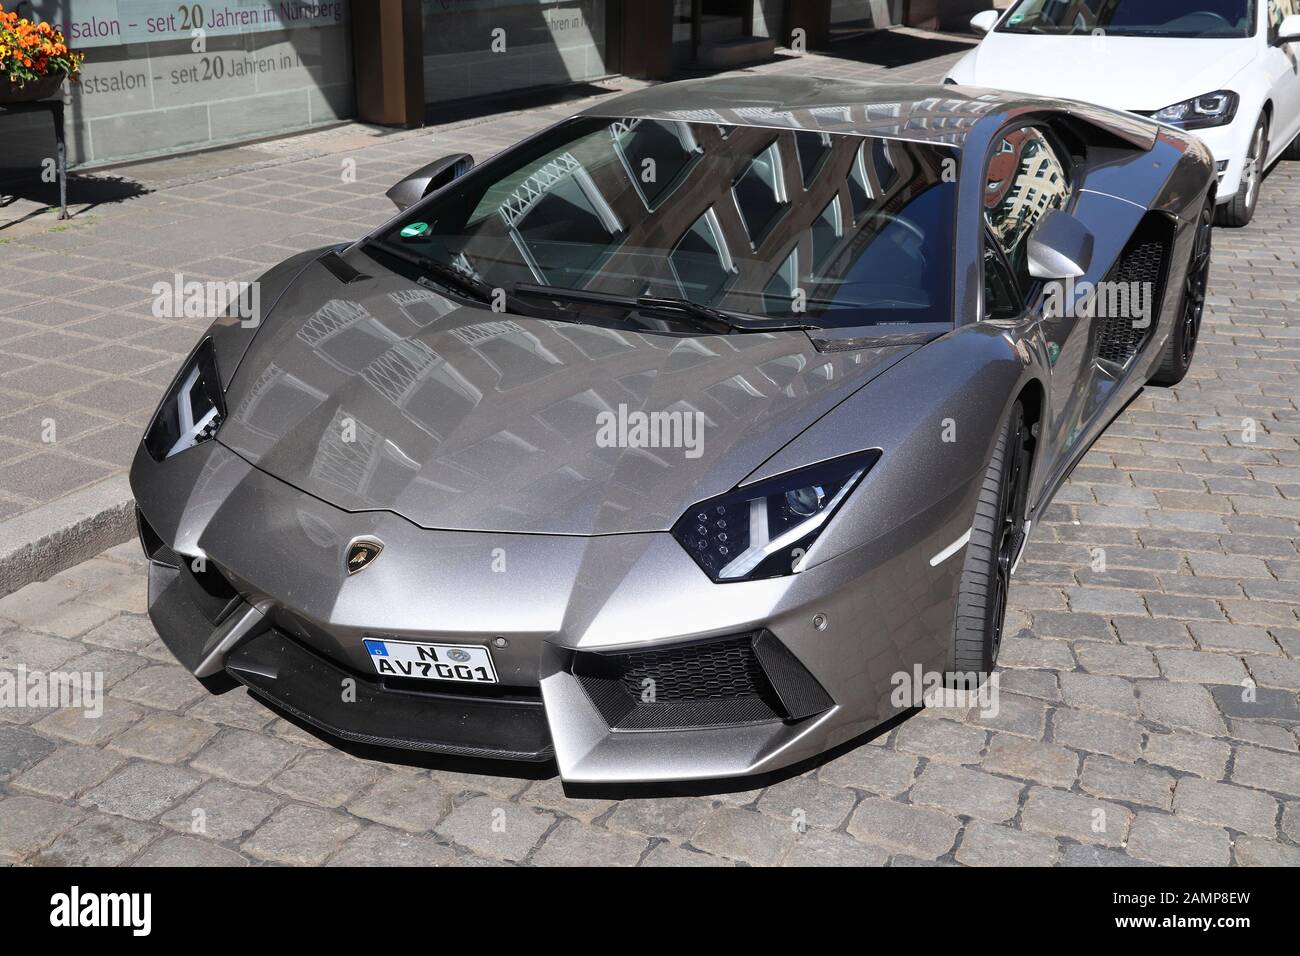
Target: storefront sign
point(92, 23)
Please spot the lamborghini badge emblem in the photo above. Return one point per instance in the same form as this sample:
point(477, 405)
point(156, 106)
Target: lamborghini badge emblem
point(361, 552)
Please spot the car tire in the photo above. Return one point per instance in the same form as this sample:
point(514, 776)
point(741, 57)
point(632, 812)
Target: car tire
point(1181, 347)
point(1240, 210)
point(997, 535)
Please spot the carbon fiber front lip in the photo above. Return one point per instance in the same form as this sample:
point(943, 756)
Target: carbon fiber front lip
point(279, 671)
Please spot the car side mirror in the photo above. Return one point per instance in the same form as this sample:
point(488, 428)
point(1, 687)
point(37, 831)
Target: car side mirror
point(1060, 247)
point(984, 21)
point(427, 179)
point(1289, 31)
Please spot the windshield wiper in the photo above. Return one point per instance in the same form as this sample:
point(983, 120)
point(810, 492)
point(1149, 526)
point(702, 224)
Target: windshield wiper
point(447, 276)
point(704, 317)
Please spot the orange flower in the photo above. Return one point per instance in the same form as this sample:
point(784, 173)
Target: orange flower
point(30, 50)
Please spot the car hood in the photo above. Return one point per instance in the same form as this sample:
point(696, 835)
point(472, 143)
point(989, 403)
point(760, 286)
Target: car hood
point(383, 395)
point(1125, 73)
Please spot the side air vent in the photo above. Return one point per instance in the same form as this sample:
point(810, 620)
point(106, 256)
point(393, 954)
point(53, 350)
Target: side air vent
point(207, 589)
point(1128, 307)
point(204, 587)
point(747, 679)
point(151, 541)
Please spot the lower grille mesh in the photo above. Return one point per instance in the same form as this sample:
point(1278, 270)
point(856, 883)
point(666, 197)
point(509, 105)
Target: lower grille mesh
point(717, 671)
point(746, 679)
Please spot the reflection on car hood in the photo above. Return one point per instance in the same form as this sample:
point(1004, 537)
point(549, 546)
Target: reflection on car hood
point(1124, 73)
point(383, 395)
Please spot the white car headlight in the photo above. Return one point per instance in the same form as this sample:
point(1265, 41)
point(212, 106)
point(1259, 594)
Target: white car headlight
point(1200, 112)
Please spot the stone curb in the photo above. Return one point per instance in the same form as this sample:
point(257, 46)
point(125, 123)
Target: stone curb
point(53, 537)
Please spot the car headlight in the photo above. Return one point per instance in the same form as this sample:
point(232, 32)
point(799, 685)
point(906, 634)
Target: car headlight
point(764, 530)
point(193, 409)
point(1201, 112)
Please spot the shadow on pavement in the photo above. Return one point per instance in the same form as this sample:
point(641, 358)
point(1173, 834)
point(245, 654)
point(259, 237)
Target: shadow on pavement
point(484, 106)
point(892, 49)
point(85, 192)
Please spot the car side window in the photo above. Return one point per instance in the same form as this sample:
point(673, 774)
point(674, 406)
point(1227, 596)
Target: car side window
point(1001, 298)
point(1279, 10)
point(1024, 181)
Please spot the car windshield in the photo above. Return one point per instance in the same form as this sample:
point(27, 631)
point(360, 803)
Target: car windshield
point(1149, 18)
point(814, 228)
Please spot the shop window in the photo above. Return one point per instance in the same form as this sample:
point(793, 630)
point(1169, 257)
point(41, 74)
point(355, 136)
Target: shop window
point(860, 190)
point(778, 294)
point(701, 261)
point(883, 160)
point(760, 194)
point(568, 230)
point(656, 155)
point(813, 148)
point(826, 231)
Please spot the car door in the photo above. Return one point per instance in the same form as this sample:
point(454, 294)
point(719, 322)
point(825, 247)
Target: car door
point(1024, 179)
point(1281, 63)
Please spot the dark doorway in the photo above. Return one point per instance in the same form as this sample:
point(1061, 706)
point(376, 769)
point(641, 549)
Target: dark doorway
point(716, 33)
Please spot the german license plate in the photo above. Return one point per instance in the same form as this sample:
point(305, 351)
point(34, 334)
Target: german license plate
point(467, 663)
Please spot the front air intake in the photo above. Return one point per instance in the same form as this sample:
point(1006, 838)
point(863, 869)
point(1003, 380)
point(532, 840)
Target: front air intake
point(747, 679)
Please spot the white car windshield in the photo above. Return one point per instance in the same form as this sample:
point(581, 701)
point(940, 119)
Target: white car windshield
point(1222, 19)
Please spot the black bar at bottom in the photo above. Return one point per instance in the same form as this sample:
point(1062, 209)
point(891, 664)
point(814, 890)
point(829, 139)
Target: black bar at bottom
point(284, 673)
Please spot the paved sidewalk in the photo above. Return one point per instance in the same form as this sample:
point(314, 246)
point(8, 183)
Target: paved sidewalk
point(1125, 733)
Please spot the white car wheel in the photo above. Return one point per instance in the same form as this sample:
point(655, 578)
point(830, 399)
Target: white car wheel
point(1241, 208)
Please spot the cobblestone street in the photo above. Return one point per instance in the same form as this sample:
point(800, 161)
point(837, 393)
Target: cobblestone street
point(1148, 712)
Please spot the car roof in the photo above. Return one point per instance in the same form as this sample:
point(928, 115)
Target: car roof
point(902, 111)
point(921, 113)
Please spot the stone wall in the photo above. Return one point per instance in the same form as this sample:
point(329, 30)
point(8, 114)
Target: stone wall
point(161, 77)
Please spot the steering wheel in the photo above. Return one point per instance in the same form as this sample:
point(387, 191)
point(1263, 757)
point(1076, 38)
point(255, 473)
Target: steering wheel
point(907, 224)
point(1210, 13)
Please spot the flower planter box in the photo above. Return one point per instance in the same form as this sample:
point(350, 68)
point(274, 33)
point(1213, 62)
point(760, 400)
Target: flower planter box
point(42, 89)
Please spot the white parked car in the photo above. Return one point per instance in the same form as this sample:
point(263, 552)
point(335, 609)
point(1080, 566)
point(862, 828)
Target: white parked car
point(1227, 70)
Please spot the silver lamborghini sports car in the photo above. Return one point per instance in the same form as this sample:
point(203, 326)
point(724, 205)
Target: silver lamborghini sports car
point(662, 443)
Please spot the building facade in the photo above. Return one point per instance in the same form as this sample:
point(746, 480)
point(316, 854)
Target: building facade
point(163, 76)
